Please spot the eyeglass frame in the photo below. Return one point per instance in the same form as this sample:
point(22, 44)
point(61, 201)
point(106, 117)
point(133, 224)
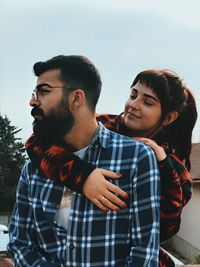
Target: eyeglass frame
point(34, 94)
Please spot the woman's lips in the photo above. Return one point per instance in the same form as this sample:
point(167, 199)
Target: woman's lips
point(132, 115)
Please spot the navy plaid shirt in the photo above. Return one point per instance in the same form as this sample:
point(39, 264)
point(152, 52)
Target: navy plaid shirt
point(95, 239)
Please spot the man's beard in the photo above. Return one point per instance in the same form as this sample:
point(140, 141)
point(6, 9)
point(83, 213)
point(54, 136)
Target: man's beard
point(51, 128)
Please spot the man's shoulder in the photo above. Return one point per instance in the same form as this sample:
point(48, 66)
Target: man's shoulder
point(27, 167)
point(28, 171)
point(129, 143)
point(117, 138)
point(31, 174)
point(123, 138)
point(108, 136)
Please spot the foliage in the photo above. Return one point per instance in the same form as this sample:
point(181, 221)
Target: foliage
point(12, 157)
point(197, 259)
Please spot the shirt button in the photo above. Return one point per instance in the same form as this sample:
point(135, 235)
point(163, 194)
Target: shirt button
point(71, 246)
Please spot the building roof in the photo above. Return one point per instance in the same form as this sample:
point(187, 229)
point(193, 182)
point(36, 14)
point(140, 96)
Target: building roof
point(195, 162)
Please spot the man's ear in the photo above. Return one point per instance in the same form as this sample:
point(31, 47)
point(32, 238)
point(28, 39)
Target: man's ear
point(172, 116)
point(76, 99)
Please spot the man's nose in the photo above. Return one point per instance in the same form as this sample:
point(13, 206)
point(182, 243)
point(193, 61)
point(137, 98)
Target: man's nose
point(33, 102)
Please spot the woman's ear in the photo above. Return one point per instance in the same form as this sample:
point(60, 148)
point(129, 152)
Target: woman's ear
point(171, 117)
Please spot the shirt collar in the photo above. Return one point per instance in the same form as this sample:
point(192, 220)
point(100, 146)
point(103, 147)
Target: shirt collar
point(102, 135)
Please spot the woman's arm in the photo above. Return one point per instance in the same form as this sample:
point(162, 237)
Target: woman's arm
point(176, 189)
point(59, 164)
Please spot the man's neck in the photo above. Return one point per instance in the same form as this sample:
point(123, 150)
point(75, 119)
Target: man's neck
point(81, 133)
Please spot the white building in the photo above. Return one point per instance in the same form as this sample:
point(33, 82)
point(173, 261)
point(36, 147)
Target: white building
point(187, 240)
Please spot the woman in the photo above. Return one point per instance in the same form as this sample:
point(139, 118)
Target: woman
point(160, 106)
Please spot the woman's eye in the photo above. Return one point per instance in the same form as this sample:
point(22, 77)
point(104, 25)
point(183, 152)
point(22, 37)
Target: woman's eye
point(133, 96)
point(148, 103)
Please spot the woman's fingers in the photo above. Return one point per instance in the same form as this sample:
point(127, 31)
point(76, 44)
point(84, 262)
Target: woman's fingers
point(145, 140)
point(108, 200)
point(159, 150)
point(108, 204)
point(116, 189)
point(113, 201)
point(97, 203)
point(110, 174)
point(103, 193)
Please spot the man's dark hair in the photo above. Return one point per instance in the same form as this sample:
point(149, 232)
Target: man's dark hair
point(76, 72)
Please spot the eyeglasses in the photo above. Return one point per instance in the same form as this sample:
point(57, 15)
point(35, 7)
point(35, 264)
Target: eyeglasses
point(42, 90)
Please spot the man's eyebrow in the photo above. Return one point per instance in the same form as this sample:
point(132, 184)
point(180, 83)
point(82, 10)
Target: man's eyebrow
point(41, 85)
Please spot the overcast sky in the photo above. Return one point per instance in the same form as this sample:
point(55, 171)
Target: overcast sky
point(121, 37)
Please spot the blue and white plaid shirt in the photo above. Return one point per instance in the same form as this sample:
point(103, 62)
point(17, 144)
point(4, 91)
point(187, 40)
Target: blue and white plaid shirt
point(95, 239)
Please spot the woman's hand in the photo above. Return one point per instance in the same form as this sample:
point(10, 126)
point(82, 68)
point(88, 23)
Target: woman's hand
point(158, 150)
point(103, 193)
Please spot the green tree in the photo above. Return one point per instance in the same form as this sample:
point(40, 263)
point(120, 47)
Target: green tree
point(12, 157)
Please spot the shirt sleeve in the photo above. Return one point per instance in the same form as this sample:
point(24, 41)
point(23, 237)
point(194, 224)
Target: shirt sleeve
point(145, 207)
point(176, 190)
point(21, 245)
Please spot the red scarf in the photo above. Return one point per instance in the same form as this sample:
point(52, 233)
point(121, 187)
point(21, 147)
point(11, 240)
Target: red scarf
point(49, 159)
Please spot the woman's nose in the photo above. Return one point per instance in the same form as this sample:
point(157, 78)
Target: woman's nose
point(134, 104)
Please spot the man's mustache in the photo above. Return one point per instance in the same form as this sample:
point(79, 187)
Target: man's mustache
point(37, 112)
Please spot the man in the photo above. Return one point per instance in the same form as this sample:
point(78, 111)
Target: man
point(51, 226)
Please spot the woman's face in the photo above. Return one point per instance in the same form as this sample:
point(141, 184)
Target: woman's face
point(142, 112)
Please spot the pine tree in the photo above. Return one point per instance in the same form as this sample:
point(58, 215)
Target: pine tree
point(12, 157)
